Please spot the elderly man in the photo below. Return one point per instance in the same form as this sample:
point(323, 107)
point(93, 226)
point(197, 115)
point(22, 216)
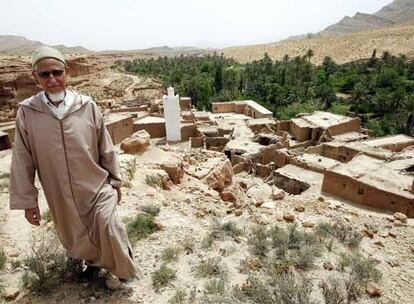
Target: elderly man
point(61, 135)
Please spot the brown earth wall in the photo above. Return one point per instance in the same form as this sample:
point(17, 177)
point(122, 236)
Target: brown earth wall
point(188, 131)
point(155, 130)
point(120, 129)
point(223, 107)
point(300, 133)
point(216, 142)
point(353, 190)
point(354, 125)
point(185, 105)
point(196, 142)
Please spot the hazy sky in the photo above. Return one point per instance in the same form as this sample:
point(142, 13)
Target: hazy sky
point(133, 24)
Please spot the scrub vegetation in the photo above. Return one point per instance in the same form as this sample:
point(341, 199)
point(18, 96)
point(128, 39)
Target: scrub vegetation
point(162, 277)
point(379, 90)
point(139, 226)
point(47, 266)
point(3, 259)
point(153, 180)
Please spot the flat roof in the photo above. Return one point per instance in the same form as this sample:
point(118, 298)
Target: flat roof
point(115, 117)
point(251, 103)
point(316, 161)
point(390, 140)
point(300, 174)
point(361, 147)
point(230, 116)
point(378, 174)
point(149, 120)
point(260, 121)
point(350, 136)
point(322, 119)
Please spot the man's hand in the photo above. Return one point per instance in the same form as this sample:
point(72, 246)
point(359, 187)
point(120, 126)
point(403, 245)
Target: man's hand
point(33, 216)
point(118, 191)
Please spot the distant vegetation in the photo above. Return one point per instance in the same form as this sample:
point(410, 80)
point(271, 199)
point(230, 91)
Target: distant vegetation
point(379, 90)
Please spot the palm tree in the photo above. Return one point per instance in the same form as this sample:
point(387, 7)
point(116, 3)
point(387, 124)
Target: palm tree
point(359, 95)
point(409, 108)
point(309, 54)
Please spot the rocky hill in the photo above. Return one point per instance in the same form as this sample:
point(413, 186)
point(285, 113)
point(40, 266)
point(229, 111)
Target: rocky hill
point(399, 12)
point(342, 48)
point(20, 45)
point(359, 23)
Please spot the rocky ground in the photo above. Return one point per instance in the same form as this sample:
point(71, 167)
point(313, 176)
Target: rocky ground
point(188, 187)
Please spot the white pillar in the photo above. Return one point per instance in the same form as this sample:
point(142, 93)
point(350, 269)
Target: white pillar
point(172, 115)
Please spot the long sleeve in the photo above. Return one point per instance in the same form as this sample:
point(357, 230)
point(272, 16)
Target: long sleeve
point(23, 193)
point(107, 155)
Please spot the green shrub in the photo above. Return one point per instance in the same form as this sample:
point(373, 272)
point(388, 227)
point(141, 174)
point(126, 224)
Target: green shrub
point(179, 297)
point(170, 254)
point(153, 180)
point(3, 258)
point(290, 289)
point(207, 241)
point(151, 209)
point(231, 229)
point(339, 291)
point(255, 291)
point(361, 268)
point(188, 244)
point(46, 265)
point(211, 267)
point(215, 286)
point(342, 232)
point(259, 241)
point(139, 227)
point(162, 277)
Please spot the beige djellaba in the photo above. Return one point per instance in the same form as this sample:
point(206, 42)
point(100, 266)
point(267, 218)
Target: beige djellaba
point(77, 167)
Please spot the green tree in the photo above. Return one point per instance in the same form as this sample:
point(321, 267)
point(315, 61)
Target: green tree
point(359, 96)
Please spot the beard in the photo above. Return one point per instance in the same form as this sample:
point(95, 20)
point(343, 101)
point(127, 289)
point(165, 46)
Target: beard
point(56, 97)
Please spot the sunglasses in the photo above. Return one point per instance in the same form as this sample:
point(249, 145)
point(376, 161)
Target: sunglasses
point(46, 74)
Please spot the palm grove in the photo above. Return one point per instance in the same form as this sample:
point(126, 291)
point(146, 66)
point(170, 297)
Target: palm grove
point(379, 90)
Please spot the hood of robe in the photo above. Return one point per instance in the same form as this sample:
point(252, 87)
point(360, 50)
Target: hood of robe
point(36, 103)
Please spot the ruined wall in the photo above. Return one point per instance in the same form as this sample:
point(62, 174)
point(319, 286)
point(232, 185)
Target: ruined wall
point(185, 103)
point(120, 129)
point(218, 142)
point(299, 132)
point(289, 184)
point(239, 108)
point(354, 190)
point(340, 153)
point(196, 142)
point(283, 125)
point(155, 130)
point(187, 131)
point(222, 107)
point(143, 108)
point(354, 125)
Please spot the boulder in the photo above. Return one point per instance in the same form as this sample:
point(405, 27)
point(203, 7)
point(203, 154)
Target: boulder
point(137, 143)
point(289, 217)
point(175, 170)
point(221, 176)
point(261, 193)
point(278, 194)
point(400, 217)
point(373, 289)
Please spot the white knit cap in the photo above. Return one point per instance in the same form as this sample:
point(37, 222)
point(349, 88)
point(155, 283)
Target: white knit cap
point(47, 52)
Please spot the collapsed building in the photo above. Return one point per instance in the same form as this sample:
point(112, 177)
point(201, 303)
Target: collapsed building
point(319, 151)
